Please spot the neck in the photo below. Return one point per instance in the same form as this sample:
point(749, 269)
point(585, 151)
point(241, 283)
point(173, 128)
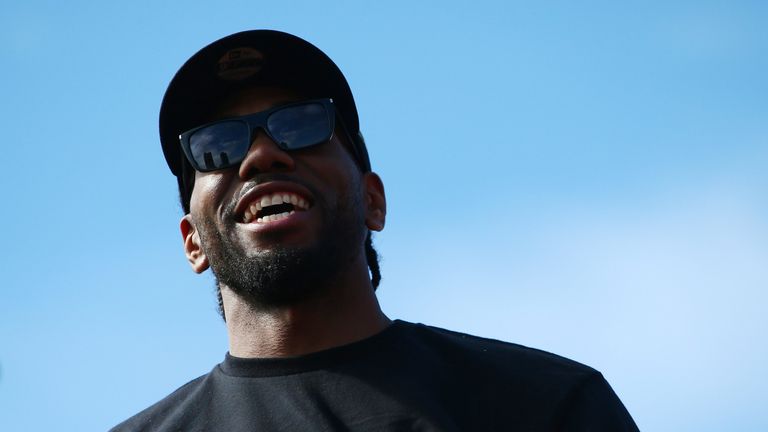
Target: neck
point(349, 313)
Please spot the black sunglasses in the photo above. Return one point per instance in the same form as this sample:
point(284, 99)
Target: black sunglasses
point(225, 143)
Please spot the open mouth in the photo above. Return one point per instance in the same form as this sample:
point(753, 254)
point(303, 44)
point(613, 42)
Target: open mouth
point(274, 206)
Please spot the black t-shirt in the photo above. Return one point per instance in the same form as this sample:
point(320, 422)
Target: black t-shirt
point(409, 377)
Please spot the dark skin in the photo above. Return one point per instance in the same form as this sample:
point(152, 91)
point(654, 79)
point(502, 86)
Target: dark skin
point(347, 311)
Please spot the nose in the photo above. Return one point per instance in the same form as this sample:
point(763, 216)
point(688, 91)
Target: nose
point(264, 156)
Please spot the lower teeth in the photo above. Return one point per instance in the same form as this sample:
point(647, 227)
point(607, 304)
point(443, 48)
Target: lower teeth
point(274, 217)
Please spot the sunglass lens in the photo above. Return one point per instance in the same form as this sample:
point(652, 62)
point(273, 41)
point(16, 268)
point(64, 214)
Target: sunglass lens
point(220, 145)
point(300, 126)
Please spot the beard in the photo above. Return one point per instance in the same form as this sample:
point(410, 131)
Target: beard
point(285, 276)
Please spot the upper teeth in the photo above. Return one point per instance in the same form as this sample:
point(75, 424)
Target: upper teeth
point(271, 200)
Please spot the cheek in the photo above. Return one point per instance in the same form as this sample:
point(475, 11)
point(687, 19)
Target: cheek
point(338, 185)
point(208, 192)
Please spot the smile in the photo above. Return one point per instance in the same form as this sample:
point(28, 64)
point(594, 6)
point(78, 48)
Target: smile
point(274, 207)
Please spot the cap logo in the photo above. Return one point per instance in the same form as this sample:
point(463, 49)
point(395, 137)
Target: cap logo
point(240, 63)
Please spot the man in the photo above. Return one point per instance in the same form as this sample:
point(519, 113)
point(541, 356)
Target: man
point(261, 130)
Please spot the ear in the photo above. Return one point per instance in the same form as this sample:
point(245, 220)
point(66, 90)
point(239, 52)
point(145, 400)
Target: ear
point(376, 202)
point(192, 247)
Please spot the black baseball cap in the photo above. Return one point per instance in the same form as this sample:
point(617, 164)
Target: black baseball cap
point(255, 57)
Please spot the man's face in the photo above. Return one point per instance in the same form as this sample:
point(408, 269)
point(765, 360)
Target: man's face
point(282, 225)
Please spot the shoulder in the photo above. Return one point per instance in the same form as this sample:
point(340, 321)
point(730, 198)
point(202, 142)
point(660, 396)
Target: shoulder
point(170, 412)
point(495, 356)
point(523, 383)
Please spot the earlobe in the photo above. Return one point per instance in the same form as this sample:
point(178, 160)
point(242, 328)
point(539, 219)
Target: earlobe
point(192, 246)
point(376, 202)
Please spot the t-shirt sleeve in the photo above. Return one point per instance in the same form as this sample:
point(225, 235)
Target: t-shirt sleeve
point(593, 406)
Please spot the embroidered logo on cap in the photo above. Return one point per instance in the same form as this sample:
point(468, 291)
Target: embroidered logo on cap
point(240, 63)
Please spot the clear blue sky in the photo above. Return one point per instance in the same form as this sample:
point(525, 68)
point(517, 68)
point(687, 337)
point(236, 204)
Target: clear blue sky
point(589, 179)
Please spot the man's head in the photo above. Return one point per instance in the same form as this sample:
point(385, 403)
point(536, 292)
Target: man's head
point(283, 113)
